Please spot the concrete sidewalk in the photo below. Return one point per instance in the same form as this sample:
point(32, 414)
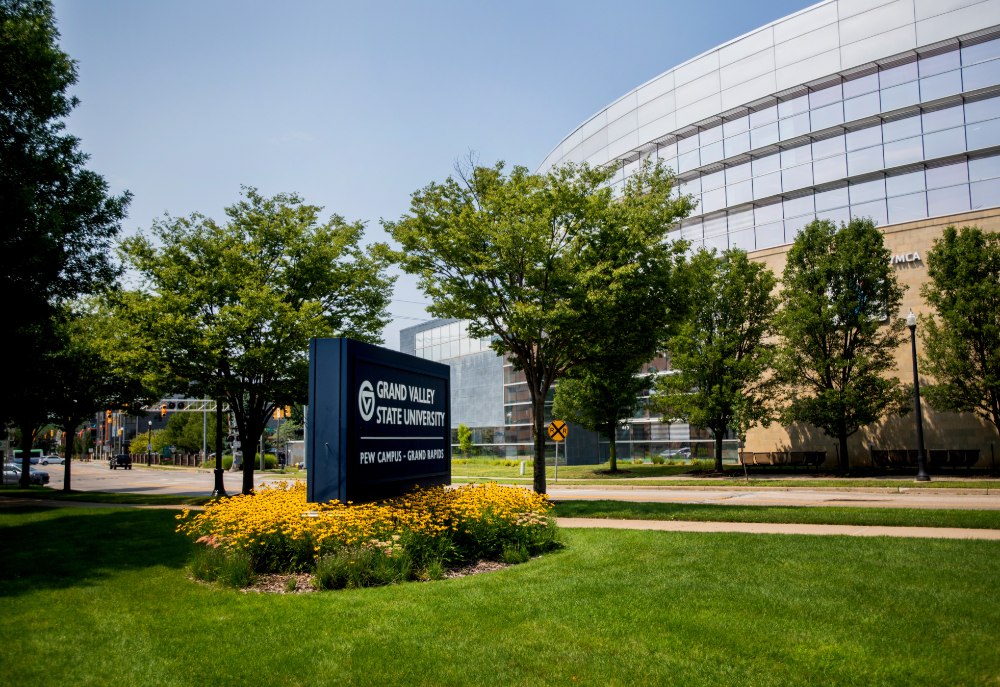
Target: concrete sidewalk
point(776, 528)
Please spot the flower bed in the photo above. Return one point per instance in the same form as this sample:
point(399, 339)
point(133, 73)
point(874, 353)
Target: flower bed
point(418, 535)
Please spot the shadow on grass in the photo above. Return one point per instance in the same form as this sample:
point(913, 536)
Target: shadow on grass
point(57, 548)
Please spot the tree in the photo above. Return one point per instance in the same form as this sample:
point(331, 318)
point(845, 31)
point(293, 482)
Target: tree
point(541, 263)
point(186, 430)
point(151, 437)
point(839, 328)
point(227, 311)
point(963, 351)
point(58, 219)
point(720, 359)
point(601, 396)
point(465, 444)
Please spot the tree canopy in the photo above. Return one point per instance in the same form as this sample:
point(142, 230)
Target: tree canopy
point(226, 311)
point(962, 337)
point(839, 328)
point(543, 262)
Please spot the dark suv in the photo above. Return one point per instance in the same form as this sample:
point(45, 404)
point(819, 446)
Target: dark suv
point(122, 460)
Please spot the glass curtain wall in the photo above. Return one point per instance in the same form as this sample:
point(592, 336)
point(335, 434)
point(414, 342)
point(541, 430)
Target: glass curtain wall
point(448, 341)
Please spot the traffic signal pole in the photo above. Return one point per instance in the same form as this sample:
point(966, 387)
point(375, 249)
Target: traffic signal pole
point(220, 488)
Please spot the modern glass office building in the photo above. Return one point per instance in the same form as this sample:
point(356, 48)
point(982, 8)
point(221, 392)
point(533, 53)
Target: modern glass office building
point(849, 108)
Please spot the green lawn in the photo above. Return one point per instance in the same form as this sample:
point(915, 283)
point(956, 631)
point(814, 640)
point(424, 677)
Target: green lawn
point(98, 597)
point(36, 492)
point(713, 482)
point(822, 515)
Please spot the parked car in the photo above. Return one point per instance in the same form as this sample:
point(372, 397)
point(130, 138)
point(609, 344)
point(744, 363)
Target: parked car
point(122, 460)
point(12, 475)
point(52, 460)
point(683, 453)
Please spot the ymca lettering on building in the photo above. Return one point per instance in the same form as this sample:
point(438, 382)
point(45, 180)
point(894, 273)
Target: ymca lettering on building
point(905, 257)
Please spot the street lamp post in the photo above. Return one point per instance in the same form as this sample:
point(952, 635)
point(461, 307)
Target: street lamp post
point(220, 487)
point(922, 476)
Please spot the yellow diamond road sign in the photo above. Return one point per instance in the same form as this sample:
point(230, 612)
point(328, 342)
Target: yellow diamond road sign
point(557, 430)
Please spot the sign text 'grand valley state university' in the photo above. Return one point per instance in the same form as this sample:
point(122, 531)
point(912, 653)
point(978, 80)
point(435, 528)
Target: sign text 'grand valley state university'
point(379, 422)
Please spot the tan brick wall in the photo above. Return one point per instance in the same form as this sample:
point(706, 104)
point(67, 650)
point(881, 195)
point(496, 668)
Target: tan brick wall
point(941, 430)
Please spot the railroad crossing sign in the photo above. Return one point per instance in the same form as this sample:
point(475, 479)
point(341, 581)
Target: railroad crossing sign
point(557, 430)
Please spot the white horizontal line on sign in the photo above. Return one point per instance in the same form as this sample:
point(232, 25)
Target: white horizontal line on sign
point(428, 438)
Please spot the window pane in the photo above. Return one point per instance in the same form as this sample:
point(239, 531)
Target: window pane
point(830, 169)
point(939, 86)
point(904, 152)
point(741, 192)
point(770, 235)
point(737, 173)
point(864, 138)
point(670, 163)
point(904, 183)
point(798, 206)
point(982, 51)
point(710, 135)
point(825, 97)
point(713, 200)
point(828, 116)
point(929, 66)
point(981, 75)
point(897, 75)
point(711, 153)
point(715, 225)
point(943, 119)
point(796, 156)
point(719, 243)
point(983, 134)
point(984, 168)
point(691, 186)
point(735, 126)
point(768, 114)
point(985, 194)
point(692, 230)
point(870, 190)
point(907, 208)
point(713, 180)
point(765, 135)
point(740, 219)
point(900, 96)
point(737, 145)
point(944, 143)
point(794, 106)
point(688, 144)
point(464, 347)
point(768, 163)
point(767, 185)
point(865, 84)
point(874, 210)
point(796, 177)
point(834, 198)
point(863, 106)
point(982, 109)
point(948, 201)
point(744, 240)
point(828, 146)
point(688, 161)
point(794, 226)
point(765, 214)
point(836, 216)
point(900, 129)
point(867, 160)
point(947, 176)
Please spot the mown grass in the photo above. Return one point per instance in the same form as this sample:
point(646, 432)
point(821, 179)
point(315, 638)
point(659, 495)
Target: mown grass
point(37, 492)
point(99, 596)
point(774, 483)
point(821, 515)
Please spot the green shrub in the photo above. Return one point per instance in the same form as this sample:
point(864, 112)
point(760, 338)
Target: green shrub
point(657, 460)
point(671, 462)
point(214, 565)
point(515, 553)
point(290, 584)
point(362, 566)
point(637, 461)
point(435, 569)
point(206, 563)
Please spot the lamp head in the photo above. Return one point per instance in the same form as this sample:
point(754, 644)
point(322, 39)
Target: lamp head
point(911, 320)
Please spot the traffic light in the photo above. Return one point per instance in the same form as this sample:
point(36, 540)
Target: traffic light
point(171, 405)
point(276, 414)
point(180, 406)
point(107, 419)
point(163, 409)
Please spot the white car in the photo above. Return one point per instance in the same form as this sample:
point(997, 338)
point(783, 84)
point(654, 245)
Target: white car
point(52, 460)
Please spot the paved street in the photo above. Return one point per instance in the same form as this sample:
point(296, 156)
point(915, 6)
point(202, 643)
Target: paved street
point(141, 480)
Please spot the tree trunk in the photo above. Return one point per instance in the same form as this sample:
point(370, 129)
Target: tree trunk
point(538, 408)
point(718, 449)
point(69, 434)
point(612, 449)
point(26, 437)
point(845, 459)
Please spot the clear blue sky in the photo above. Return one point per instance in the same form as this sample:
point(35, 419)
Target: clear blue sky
point(356, 105)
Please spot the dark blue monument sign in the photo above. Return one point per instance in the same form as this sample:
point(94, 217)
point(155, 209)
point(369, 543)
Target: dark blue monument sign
point(379, 422)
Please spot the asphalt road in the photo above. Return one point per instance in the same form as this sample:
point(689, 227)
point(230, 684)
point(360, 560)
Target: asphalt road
point(141, 480)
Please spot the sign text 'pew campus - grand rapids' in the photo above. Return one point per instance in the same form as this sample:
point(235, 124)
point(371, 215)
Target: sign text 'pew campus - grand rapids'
point(379, 422)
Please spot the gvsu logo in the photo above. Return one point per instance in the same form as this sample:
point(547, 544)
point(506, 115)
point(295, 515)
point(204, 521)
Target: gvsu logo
point(366, 400)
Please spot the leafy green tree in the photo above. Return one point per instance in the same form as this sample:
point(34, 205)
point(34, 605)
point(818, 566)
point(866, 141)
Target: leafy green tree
point(963, 351)
point(58, 219)
point(465, 444)
point(151, 437)
point(227, 311)
point(541, 263)
point(840, 328)
point(720, 358)
point(601, 396)
point(185, 430)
